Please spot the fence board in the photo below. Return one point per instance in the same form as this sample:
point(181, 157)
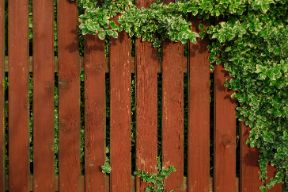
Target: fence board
point(43, 78)
point(18, 96)
point(225, 135)
point(2, 64)
point(95, 113)
point(249, 169)
point(146, 111)
point(69, 97)
point(120, 114)
point(199, 119)
point(173, 114)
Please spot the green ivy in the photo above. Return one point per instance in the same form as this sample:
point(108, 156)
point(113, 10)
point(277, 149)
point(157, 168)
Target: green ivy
point(156, 181)
point(248, 36)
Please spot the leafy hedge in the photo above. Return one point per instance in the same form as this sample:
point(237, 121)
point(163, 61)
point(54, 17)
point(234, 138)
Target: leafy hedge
point(248, 36)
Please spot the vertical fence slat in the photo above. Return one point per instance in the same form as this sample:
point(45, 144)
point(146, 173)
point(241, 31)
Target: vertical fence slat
point(69, 97)
point(2, 127)
point(18, 96)
point(225, 135)
point(146, 102)
point(173, 113)
point(2, 104)
point(95, 113)
point(199, 119)
point(249, 169)
point(43, 78)
point(120, 115)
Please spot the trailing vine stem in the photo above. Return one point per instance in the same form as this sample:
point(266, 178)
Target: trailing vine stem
point(250, 39)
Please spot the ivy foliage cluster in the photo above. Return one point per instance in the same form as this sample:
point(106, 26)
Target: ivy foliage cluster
point(248, 36)
point(156, 181)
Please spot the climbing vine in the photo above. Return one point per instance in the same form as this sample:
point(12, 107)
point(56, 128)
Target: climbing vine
point(248, 36)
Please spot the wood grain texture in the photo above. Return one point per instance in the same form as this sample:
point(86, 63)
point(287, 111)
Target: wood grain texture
point(146, 99)
point(18, 96)
point(95, 113)
point(43, 98)
point(199, 119)
point(249, 169)
point(173, 114)
point(120, 114)
point(225, 135)
point(2, 64)
point(69, 97)
point(146, 102)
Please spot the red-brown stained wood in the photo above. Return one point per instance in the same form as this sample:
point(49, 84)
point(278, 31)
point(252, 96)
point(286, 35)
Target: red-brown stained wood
point(225, 135)
point(2, 63)
point(43, 78)
point(249, 169)
point(173, 114)
point(18, 96)
point(199, 119)
point(146, 101)
point(146, 118)
point(95, 113)
point(271, 173)
point(69, 97)
point(120, 115)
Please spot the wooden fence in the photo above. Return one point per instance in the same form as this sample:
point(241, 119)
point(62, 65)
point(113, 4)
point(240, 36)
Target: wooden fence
point(121, 64)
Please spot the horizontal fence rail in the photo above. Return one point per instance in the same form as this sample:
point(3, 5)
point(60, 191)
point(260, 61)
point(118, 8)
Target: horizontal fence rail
point(67, 112)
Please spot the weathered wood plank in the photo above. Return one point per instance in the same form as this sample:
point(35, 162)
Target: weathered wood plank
point(120, 114)
point(225, 135)
point(146, 111)
point(199, 119)
point(18, 96)
point(173, 113)
point(69, 97)
point(249, 169)
point(43, 98)
point(2, 127)
point(95, 113)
